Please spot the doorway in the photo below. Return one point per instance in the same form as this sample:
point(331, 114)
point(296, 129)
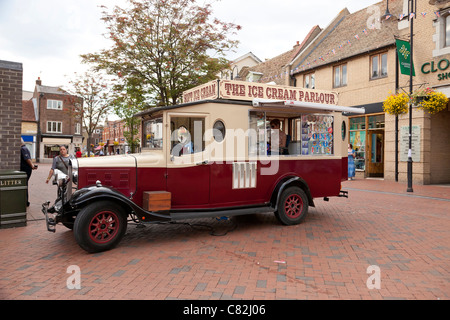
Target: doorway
point(375, 159)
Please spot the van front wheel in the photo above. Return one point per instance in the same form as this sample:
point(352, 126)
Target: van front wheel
point(100, 226)
point(292, 206)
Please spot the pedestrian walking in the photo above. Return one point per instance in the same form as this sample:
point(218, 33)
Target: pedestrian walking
point(351, 162)
point(26, 165)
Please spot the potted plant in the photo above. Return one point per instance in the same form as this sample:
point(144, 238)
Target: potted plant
point(429, 100)
point(396, 104)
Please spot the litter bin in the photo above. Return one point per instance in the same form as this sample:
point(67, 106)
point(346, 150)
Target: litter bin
point(13, 199)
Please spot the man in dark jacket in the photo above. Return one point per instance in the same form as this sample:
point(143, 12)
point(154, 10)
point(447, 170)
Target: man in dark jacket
point(26, 165)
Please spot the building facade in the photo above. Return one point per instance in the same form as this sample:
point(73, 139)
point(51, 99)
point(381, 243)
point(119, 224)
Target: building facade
point(59, 121)
point(29, 127)
point(356, 56)
point(113, 137)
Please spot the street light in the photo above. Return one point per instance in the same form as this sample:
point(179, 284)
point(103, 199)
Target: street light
point(412, 7)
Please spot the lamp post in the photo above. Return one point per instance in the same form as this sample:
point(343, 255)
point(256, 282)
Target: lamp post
point(412, 7)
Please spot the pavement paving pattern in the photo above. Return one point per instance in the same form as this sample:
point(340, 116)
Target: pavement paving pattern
point(381, 243)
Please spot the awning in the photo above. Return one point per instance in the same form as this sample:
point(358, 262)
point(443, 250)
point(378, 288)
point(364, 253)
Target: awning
point(305, 106)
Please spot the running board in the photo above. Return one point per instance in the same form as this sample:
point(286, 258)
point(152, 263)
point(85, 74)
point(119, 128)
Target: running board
point(219, 213)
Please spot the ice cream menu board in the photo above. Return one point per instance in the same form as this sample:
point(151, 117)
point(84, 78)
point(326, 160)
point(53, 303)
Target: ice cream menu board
point(317, 134)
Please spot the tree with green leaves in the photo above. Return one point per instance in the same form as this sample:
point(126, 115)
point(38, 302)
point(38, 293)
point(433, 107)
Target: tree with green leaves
point(128, 99)
point(94, 90)
point(166, 45)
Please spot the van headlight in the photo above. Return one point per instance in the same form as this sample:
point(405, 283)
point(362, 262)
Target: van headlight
point(74, 163)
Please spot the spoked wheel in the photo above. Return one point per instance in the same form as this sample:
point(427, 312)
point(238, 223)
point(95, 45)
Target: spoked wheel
point(100, 226)
point(292, 206)
point(104, 226)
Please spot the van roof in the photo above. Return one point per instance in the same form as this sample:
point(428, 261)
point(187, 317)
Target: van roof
point(153, 110)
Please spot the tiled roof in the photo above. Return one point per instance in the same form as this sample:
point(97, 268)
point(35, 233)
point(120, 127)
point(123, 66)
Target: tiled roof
point(28, 111)
point(272, 70)
point(51, 90)
point(349, 35)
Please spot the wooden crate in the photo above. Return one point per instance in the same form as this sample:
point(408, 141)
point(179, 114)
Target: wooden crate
point(157, 200)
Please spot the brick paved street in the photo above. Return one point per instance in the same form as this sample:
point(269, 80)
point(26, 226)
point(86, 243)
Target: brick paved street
point(326, 257)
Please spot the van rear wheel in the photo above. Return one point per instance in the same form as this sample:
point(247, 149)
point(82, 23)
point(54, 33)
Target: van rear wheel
point(292, 206)
point(100, 226)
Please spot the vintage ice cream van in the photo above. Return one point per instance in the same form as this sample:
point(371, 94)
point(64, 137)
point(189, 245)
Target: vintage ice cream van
point(231, 148)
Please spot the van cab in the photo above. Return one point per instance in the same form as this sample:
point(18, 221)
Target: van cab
point(231, 148)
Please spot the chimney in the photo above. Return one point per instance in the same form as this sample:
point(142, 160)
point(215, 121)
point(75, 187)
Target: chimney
point(39, 82)
point(297, 44)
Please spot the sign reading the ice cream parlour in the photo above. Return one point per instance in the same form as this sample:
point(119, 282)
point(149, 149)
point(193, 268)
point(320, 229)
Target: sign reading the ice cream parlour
point(247, 91)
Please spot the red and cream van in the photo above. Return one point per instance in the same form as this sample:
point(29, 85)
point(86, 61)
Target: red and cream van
point(216, 154)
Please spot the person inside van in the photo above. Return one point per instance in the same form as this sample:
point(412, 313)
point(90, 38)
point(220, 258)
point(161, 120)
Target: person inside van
point(184, 145)
point(275, 130)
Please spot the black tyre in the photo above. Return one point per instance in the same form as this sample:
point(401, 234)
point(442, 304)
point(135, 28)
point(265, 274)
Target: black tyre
point(292, 206)
point(100, 226)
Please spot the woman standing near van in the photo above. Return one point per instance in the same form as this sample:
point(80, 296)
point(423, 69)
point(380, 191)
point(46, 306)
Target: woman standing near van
point(60, 162)
point(351, 162)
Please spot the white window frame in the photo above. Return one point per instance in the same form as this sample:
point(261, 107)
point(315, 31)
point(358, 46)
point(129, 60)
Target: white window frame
point(341, 78)
point(77, 128)
point(442, 44)
point(54, 104)
point(55, 127)
point(309, 81)
point(379, 57)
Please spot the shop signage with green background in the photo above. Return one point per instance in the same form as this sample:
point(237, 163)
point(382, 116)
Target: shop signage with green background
point(404, 57)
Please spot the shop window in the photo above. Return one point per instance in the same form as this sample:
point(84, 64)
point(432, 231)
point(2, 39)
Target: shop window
point(357, 139)
point(376, 122)
point(378, 66)
point(340, 76)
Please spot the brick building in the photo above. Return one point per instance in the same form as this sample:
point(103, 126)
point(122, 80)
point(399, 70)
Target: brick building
point(29, 127)
point(58, 122)
point(11, 74)
point(114, 138)
point(356, 56)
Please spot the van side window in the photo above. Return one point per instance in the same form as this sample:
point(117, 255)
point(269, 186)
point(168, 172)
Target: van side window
point(153, 134)
point(257, 134)
point(312, 134)
point(186, 135)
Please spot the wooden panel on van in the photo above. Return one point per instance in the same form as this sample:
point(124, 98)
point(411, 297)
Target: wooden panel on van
point(157, 200)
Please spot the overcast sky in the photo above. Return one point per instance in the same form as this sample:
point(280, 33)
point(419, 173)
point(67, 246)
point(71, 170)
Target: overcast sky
point(48, 36)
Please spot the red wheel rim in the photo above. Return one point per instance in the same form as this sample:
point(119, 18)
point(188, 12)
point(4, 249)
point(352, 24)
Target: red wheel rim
point(104, 227)
point(293, 206)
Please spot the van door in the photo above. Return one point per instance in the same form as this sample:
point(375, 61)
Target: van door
point(188, 171)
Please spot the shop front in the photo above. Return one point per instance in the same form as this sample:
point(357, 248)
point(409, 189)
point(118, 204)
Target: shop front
point(367, 137)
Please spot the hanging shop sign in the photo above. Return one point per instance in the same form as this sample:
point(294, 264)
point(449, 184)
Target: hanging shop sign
point(441, 67)
point(248, 91)
point(404, 56)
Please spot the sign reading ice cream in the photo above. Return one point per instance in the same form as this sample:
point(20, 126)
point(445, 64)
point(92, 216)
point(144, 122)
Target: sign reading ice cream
point(247, 91)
